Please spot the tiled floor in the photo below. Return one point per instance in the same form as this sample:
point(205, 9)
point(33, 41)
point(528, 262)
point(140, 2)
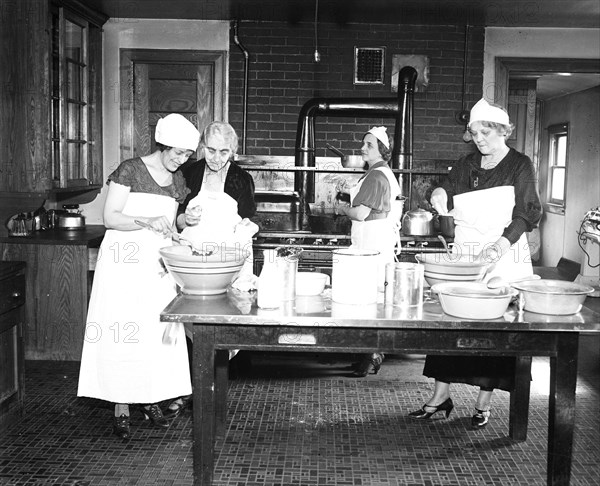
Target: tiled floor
point(300, 420)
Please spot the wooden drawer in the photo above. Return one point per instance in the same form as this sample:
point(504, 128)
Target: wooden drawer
point(13, 293)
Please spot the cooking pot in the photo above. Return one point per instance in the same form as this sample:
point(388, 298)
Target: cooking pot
point(348, 161)
point(447, 225)
point(417, 222)
point(71, 221)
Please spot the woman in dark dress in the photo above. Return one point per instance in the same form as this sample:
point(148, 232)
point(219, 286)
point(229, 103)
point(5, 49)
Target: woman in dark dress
point(493, 197)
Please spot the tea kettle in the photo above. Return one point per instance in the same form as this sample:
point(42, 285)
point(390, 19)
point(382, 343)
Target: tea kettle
point(417, 222)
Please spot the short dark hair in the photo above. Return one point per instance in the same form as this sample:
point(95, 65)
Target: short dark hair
point(386, 153)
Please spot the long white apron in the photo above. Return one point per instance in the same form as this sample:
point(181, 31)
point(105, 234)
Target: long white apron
point(481, 217)
point(381, 235)
point(124, 358)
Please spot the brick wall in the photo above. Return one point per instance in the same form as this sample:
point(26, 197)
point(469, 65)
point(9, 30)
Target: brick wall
point(283, 76)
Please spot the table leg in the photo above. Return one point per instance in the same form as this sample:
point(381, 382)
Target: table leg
point(203, 371)
point(561, 419)
point(221, 383)
point(519, 399)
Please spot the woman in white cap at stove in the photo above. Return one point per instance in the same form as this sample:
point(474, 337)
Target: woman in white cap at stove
point(124, 359)
point(492, 194)
point(374, 215)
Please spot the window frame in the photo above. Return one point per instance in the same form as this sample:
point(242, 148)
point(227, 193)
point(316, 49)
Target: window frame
point(61, 143)
point(556, 132)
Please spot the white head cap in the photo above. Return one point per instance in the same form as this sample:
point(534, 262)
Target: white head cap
point(174, 130)
point(483, 111)
point(380, 133)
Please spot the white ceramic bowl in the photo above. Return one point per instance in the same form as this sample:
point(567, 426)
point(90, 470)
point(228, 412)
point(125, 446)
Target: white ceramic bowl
point(310, 283)
point(473, 300)
point(203, 275)
point(554, 297)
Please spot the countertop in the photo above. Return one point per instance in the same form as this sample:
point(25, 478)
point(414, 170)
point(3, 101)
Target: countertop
point(90, 236)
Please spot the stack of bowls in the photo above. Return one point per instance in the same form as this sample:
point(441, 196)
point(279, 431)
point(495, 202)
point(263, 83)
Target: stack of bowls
point(203, 275)
point(445, 267)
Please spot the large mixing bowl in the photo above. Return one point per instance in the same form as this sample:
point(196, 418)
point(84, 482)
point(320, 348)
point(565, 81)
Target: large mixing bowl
point(554, 297)
point(442, 267)
point(203, 275)
point(473, 300)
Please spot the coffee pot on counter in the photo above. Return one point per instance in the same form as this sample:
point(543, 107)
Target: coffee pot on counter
point(70, 218)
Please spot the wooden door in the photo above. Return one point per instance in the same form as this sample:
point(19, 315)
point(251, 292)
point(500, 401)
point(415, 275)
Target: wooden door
point(155, 83)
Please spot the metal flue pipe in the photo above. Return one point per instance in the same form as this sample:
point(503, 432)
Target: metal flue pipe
point(400, 108)
point(237, 42)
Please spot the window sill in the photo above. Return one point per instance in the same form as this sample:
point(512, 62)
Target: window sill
point(554, 209)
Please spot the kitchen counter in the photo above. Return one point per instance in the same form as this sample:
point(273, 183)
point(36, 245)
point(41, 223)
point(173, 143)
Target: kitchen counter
point(90, 236)
point(58, 286)
point(232, 321)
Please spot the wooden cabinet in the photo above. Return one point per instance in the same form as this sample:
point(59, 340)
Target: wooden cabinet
point(12, 317)
point(50, 122)
point(57, 289)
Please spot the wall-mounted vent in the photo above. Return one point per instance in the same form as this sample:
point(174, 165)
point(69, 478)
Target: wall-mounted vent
point(369, 65)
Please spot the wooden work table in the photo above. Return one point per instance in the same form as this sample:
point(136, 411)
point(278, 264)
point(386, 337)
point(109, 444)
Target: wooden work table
point(232, 321)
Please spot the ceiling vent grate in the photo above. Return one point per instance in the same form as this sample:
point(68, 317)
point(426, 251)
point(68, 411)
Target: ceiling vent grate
point(369, 65)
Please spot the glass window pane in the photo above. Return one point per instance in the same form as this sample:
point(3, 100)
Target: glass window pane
point(74, 81)
point(74, 131)
point(558, 184)
point(73, 41)
point(56, 160)
point(74, 160)
point(55, 118)
point(561, 150)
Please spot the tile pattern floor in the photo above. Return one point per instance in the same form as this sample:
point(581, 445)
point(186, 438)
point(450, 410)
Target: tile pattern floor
point(299, 420)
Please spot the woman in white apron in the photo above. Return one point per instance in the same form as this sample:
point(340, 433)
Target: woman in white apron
point(493, 197)
point(124, 358)
point(375, 216)
point(217, 209)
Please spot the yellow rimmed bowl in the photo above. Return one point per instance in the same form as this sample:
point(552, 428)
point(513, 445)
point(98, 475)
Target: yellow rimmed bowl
point(205, 274)
point(444, 267)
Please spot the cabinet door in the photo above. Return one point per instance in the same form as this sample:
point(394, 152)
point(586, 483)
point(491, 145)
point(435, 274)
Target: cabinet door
point(76, 100)
point(56, 304)
point(24, 116)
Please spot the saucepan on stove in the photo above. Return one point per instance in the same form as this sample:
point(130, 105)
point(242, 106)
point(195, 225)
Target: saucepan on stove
point(348, 161)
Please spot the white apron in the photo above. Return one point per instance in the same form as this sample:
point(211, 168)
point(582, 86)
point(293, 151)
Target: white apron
point(382, 235)
point(219, 225)
point(124, 359)
point(481, 217)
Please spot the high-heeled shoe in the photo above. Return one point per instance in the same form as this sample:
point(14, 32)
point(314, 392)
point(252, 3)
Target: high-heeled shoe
point(176, 407)
point(480, 419)
point(121, 426)
point(369, 364)
point(422, 414)
point(155, 415)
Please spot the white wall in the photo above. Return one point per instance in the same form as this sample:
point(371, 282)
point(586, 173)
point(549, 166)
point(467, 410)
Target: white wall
point(535, 42)
point(582, 112)
point(143, 34)
point(558, 231)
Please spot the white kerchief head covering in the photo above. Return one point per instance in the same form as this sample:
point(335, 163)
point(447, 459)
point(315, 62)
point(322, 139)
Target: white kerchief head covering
point(380, 133)
point(483, 111)
point(175, 130)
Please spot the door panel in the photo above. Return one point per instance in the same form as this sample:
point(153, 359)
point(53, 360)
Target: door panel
point(155, 83)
